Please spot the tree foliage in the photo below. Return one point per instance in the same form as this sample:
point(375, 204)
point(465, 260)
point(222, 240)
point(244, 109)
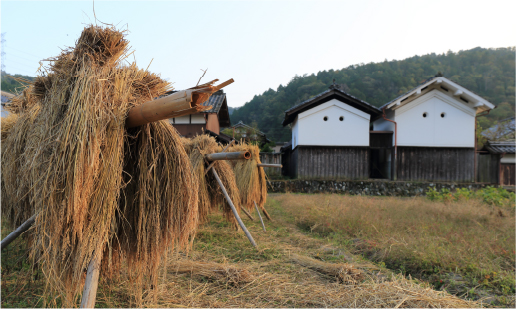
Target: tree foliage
point(487, 72)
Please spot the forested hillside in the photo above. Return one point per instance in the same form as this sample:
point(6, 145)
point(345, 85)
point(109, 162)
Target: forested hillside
point(487, 72)
point(11, 85)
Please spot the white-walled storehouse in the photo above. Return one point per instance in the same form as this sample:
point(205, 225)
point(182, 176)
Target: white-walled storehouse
point(330, 136)
point(434, 131)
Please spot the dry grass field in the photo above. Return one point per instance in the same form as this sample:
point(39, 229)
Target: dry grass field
point(322, 251)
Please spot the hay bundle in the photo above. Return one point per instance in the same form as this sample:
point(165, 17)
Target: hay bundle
point(210, 194)
point(70, 142)
point(213, 271)
point(7, 124)
point(250, 179)
point(343, 272)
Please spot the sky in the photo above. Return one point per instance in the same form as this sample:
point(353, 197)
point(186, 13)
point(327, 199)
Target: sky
point(260, 44)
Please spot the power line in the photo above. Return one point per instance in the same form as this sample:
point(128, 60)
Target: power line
point(21, 51)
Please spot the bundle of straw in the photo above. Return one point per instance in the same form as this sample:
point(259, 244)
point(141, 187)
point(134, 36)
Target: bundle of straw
point(218, 272)
point(343, 272)
point(70, 144)
point(250, 179)
point(210, 194)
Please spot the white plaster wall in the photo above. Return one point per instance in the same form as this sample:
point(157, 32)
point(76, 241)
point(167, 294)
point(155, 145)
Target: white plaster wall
point(198, 118)
point(313, 130)
point(456, 129)
point(182, 119)
point(508, 158)
point(295, 133)
point(384, 125)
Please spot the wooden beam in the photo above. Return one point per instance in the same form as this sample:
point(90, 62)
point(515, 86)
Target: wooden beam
point(233, 209)
point(261, 220)
point(22, 228)
point(89, 294)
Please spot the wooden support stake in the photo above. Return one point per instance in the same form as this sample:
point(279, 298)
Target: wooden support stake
point(267, 214)
point(89, 294)
point(22, 228)
point(223, 150)
point(235, 213)
point(258, 211)
point(247, 213)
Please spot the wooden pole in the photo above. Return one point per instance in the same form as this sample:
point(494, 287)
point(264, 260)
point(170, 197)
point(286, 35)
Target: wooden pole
point(235, 213)
point(258, 211)
point(22, 228)
point(267, 214)
point(269, 165)
point(223, 150)
point(241, 155)
point(247, 213)
point(91, 284)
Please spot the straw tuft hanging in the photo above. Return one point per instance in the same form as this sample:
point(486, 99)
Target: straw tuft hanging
point(96, 188)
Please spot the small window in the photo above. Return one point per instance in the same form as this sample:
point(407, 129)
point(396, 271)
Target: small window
point(444, 88)
point(325, 118)
point(425, 114)
point(464, 99)
point(443, 115)
point(341, 118)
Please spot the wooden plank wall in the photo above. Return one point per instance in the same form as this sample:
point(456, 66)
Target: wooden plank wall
point(507, 176)
point(487, 168)
point(319, 162)
point(435, 164)
point(274, 158)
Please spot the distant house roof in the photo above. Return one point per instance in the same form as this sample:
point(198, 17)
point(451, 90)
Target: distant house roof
point(220, 138)
point(333, 93)
point(240, 124)
point(474, 99)
point(501, 147)
point(502, 130)
point(219, 104)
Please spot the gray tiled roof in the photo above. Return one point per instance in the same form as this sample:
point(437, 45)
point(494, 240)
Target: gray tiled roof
point(216, 101)
point(325, 92)
point(401, 95)
point(424, 82)
point(501, 147)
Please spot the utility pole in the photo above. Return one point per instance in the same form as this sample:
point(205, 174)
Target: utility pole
point(3, 51)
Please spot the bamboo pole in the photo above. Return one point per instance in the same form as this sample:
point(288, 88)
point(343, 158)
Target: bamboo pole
point(91, 284)
point(247, 213)
point(269, 165)
point(223, 150)
point(180, 103)
point(235, 213)
point(22, 228)
point(261, 220)
point(242, 155)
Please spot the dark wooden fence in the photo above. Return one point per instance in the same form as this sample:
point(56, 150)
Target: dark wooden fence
point(274, 158)
point(487, 168)
point(435, 164)
point(318, 162)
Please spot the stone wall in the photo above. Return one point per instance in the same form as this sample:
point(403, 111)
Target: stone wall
point(368, 187)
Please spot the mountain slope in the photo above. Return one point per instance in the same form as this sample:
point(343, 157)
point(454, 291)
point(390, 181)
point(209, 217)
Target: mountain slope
point(488, 72)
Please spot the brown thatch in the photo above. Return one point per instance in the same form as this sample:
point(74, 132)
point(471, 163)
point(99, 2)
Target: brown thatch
point(69, 145)
point(210, 194)
point(342, 272)
point(226, 273)
point(250, 179)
